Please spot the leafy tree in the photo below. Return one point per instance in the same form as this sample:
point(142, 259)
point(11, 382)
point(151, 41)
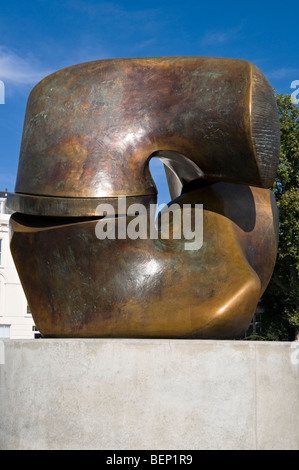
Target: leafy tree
point(280, 320)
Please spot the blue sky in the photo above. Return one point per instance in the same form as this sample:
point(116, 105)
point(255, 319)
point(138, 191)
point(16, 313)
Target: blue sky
point(41, 36)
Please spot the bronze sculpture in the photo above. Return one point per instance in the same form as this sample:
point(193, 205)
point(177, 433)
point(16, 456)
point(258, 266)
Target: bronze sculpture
point(89, 133)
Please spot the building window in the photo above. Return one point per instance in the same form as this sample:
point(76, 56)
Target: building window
point(36, 332)
point(4, 331)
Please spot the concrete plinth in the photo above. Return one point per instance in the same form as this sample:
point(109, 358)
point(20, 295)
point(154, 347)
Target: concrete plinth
point(117, 394)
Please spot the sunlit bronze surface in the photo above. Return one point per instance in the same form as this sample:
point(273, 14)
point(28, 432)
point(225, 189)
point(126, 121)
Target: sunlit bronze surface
point(78, 285)
point(91, 129)
point(89, 133)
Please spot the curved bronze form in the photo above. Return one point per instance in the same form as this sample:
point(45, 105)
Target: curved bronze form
point(89, 133)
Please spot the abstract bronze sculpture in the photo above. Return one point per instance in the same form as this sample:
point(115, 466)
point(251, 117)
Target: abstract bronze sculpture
point(89, 133)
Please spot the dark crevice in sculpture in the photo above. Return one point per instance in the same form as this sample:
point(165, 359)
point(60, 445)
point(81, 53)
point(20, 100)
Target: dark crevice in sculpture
point(43, 221)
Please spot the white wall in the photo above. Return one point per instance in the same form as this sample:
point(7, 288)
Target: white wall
point(15, 322)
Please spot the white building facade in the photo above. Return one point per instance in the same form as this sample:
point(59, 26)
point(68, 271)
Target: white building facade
point(15, 319)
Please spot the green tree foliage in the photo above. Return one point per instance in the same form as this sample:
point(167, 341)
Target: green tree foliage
point(280, 320)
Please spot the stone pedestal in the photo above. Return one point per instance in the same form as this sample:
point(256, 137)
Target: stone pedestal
point(129, 394)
